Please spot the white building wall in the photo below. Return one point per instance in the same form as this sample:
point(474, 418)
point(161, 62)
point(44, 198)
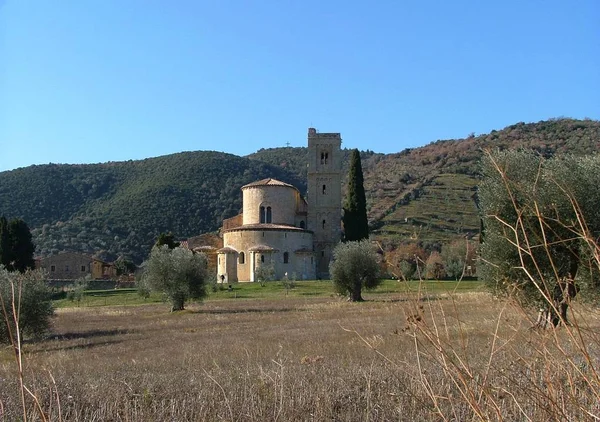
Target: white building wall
point(281, 240)
point(281, 199)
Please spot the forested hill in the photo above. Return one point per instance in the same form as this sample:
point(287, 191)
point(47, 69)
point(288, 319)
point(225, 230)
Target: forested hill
point(119, 208)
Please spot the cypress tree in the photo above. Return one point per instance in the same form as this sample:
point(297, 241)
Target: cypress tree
point(5, 250)
point(356, 225)
point(21, 246)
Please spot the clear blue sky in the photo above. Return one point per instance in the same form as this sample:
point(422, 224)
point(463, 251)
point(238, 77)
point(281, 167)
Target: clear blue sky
point(92, 81)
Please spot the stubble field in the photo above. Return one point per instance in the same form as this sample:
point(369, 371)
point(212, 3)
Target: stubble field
point(398, 356)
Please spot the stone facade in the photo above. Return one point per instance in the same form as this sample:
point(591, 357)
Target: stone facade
point(279, 229)
point(73, 266)
point(324, 195)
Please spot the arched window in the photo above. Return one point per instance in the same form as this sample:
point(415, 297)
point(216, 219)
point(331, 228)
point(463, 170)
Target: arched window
point(323, 224)
point(286, 257)
point(324, 189)
point(302, 225)
point(262, 258)
point(269, 215)
point(262, 214)
point(242, 258)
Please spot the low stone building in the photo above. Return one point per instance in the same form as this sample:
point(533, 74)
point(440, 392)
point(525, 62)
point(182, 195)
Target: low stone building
point(73, 266)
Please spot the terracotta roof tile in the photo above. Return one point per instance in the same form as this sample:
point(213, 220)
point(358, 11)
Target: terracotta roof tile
point(268, 182)
point(262, 248)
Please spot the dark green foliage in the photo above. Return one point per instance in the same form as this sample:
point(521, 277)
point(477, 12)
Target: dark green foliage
point(356, 225)
point(31, 300)
point(166, 239)
point(21, 245)
point(355, 266)
point(178, 273)
point(542, 220)
point(120, 208)
point(5, 248)
point(124, 266)
point(16, 247)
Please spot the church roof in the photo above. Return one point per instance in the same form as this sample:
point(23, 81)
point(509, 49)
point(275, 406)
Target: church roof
point(205, 248)
point(268, 182)
point(262, 248)
point(266, 227)
point(227, 249)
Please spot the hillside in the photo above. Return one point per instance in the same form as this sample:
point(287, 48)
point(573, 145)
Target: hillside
point(120, 208)
point(422, 194)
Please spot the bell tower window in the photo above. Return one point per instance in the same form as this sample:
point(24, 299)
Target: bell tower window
point(262, 215)
point(269, 215)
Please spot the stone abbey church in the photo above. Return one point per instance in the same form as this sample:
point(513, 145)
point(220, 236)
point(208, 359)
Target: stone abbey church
point(281, 230)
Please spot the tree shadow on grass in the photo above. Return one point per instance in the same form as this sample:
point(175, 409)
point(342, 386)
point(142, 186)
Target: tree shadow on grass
point(76, 346)
point(247, 311)
point(428, 298)
point(88, 334)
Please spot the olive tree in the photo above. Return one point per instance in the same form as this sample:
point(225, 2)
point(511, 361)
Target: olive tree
point(25, 302)
point(178, 273)
point(541, 220)
point(355, 266)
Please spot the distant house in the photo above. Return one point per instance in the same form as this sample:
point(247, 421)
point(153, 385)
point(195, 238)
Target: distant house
point(73, 266)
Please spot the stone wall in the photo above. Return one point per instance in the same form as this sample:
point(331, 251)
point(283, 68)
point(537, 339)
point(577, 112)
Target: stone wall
point(281, 199)
point(281, 241)
point(67, 266)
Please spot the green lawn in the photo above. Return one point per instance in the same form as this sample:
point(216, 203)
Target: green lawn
point(271, 290)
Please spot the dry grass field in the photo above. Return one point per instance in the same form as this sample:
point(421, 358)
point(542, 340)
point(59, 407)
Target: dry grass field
point(395, 357)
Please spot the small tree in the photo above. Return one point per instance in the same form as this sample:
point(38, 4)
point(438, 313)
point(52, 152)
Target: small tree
point(78, 290)
point(264, 273)
point(16, 247)
point(167, 239)
point(434, 267)
point(178, 273)
point(28, 295)
point(354, 267)
point(356, 225)
point(404, 260)
point(124, 266)
point(5, 249)
point(407, 270)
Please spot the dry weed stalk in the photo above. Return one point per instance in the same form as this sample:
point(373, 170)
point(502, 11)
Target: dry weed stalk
point(11, 319)
point(553, 375)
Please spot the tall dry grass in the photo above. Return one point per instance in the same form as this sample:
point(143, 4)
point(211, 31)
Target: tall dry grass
point(545, 375)
point(443, 357)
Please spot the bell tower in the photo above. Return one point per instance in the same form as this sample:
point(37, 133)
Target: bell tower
point(324, 195)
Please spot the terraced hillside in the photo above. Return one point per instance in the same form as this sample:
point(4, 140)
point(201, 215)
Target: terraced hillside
point(421, 195)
